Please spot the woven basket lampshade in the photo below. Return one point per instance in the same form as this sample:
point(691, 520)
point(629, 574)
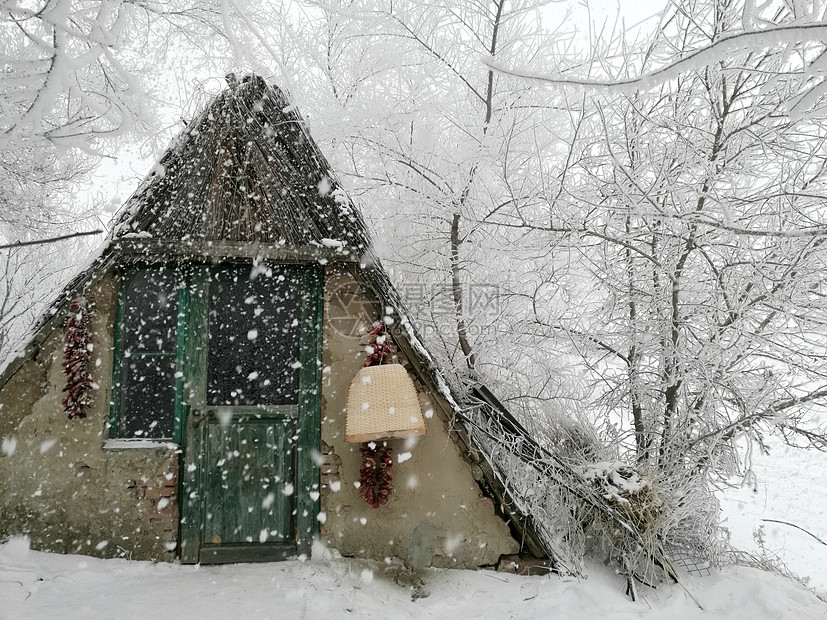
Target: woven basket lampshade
point(382, 404)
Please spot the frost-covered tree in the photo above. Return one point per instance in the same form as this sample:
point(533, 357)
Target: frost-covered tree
point(79, 80)
point(796, 30)
point(698, 207)
point(431, 141)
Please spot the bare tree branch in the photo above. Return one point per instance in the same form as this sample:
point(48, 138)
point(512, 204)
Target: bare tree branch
point(18, 244)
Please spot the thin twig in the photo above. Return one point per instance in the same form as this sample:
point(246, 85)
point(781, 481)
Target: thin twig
point(798, 527)
point(692, 597)
point(18, 244)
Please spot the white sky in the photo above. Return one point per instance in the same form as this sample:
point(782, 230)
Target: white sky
point(116, 179)
point(607, 16)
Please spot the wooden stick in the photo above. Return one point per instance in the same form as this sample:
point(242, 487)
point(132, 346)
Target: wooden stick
point(18, 244)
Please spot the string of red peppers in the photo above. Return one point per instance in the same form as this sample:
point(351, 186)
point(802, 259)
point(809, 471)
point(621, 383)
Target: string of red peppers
point(375, 475)
point(380, 345)
point(77, 352)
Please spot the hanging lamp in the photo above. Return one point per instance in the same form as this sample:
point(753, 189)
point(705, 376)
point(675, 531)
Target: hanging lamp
point(382, 402)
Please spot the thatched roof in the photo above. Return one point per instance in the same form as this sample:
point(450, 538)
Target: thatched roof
point(245, 170)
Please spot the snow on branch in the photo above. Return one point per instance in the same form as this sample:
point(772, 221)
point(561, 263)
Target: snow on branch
point(570, 501)
point(65, 83)
point(727, 45)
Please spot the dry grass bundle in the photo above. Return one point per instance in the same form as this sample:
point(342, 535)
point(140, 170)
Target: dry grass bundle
point(630, 492)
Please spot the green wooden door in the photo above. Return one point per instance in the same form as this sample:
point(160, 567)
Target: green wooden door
point(250, 485)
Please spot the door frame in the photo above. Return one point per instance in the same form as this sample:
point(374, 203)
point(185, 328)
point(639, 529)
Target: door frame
point(308, 421)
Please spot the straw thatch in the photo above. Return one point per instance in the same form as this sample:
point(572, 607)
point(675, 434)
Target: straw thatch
point(245, 170)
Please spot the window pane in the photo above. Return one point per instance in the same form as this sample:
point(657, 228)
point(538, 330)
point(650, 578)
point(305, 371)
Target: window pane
point(149, 337)
point(150, 320)
point(147, 396)
point(254, 338)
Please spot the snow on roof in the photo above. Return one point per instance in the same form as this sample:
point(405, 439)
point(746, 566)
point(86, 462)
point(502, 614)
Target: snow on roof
point(245, 170)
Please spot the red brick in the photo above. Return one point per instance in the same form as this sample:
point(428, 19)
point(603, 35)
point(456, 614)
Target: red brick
point(160, 492)
point(164, 513)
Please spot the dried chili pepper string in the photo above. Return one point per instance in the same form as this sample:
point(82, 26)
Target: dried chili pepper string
point(375, 475)
point(77, 352)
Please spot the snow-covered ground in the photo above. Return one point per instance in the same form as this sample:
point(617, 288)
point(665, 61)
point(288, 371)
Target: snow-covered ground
point(789, 486)
point(39, 585)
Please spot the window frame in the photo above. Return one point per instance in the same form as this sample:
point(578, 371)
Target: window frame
point(116, 394)
point(191, 276)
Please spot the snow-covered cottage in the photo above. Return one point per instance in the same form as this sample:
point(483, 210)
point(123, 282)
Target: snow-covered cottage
point(186, 395)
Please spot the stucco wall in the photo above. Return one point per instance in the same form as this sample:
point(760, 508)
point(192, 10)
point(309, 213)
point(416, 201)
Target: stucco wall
point(57, 482)
point(436, 501)
point(60, 485)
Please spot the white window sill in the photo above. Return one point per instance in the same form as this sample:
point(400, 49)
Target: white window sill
point(130, 444)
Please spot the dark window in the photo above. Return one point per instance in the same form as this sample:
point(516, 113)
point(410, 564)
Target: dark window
point(254, 338)
point(149, 319)
point(251, 318)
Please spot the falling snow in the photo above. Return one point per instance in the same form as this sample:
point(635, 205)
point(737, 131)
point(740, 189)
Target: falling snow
point(8, 446)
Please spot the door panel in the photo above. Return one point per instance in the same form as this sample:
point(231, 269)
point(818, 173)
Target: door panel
point(254, 333)
point(249, 483)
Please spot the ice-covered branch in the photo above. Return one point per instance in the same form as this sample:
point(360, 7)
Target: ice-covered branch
point(724, 47)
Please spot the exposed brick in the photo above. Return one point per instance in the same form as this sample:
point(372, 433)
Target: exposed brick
point(160, 492)
point(164, 513)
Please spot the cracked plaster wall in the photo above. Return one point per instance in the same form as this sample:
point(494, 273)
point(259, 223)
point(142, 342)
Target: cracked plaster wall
point(434, 490)
point(58, 484)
